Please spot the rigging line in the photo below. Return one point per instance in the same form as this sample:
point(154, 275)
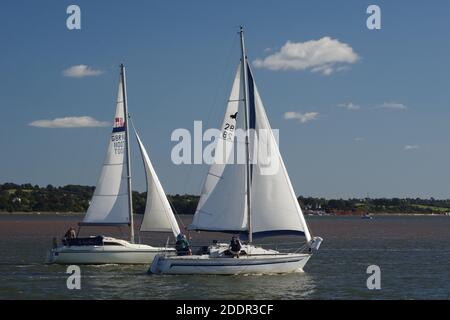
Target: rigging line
point(175, 212)
point(214, 110)
point(224, 85)
point(212, 113)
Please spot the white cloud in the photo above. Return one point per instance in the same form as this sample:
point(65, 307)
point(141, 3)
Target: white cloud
point(411, 147)
point(393, 105)
point(69, 122)
point(81, 71)
point(358, 139)
point(350, 106)
point(325, 69)
point(325, 55)
point(301, 117)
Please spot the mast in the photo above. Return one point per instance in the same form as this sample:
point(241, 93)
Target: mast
point(247, 153)
point(127, 146)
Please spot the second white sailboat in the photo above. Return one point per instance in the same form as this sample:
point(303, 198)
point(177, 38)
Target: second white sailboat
point(111, 204)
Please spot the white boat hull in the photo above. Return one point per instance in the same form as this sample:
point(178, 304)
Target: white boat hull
point(122, 253)
point(204, 264)
point(106, 256)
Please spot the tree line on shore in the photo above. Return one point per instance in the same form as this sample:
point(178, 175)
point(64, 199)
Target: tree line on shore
point(75, 198)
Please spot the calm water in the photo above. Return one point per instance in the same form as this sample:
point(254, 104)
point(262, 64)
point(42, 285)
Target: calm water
point(412, 252)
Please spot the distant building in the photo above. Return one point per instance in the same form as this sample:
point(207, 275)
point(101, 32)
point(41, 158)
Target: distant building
point(17, 200)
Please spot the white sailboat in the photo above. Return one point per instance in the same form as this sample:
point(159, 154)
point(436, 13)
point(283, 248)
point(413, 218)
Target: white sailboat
point(111, 204)
point(251, 199)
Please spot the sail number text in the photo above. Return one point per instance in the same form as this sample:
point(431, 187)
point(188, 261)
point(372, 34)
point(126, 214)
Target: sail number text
point(118, 141)
point(228, 132)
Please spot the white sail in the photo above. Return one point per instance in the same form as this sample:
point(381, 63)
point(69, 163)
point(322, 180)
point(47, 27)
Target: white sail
point(158, 214)
point(275, 208)
point(109, 205)
point(222, 201)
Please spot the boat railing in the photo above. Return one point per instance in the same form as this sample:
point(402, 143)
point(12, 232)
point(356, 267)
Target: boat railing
point(167, 249)
point(283, 247)
point(286, 247)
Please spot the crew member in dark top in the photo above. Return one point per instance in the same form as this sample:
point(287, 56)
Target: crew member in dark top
point(182, 246)
point(70, 234)
point(235, 246)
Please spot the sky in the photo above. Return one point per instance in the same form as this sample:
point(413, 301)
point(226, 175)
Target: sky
point(359, 111)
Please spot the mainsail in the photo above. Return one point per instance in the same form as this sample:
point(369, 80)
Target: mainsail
point(109, 205)
point(275, 208)
point(158, 214)
point(222, 206)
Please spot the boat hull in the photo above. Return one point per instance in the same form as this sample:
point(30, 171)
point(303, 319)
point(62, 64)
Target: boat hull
point(204, 264)
point(93, 256)
point(104, 250)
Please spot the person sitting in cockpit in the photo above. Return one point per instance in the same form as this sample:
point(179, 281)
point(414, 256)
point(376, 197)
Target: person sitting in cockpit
point(182, 246)
point(235, 246)
point(70, 234)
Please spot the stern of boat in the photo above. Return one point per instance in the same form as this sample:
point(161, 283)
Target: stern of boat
point(51, 256)
point(154, 267)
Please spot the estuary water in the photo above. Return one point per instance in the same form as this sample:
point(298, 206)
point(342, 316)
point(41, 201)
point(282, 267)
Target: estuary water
point(413, 253)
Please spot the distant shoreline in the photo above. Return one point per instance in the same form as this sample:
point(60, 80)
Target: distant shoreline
point(69, 213)
point(75, 200)
point(384, 214)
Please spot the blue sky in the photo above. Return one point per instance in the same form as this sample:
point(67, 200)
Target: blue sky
point(180, 56)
